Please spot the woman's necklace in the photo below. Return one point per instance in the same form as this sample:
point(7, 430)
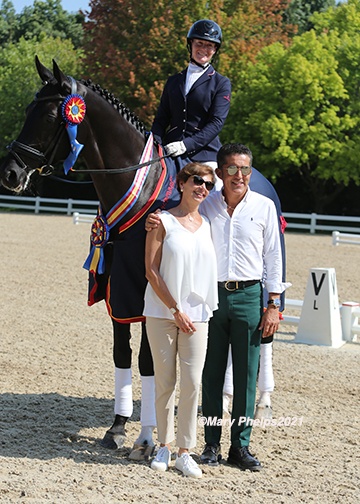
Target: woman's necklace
point(184, 214)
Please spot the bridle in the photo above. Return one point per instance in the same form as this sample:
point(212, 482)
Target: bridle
point(45, 159)
point(17, 149)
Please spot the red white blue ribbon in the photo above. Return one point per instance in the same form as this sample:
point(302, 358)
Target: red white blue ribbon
point(100, 230)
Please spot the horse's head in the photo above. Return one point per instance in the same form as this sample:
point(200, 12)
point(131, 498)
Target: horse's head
point(42, 141)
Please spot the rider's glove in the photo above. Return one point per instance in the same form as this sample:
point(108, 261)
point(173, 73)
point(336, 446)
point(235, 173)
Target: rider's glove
point(175, 149)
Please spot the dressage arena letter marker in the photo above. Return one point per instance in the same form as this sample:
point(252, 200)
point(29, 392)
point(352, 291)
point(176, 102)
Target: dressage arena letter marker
point(320, 322)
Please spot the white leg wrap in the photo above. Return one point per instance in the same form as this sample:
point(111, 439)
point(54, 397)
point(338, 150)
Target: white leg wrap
point(146, 434)
point(123, 392)
point(228, 381)
point(266, 376)
point(148, 412)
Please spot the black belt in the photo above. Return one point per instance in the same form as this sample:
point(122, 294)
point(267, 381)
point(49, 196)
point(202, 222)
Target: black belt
point(233, 285)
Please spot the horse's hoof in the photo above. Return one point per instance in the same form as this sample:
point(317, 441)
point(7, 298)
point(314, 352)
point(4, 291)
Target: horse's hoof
point(263, 412)
point(113, 440)
point(141, 452)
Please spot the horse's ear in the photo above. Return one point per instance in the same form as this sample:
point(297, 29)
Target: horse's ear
point(44, 73)
point(61, 78)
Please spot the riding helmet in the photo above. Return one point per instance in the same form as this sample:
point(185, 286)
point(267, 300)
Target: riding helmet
point(205, 29)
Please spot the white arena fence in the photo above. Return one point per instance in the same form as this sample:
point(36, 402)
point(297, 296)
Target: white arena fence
point(292, 304)
point(38, 205)
point(315, 222)
point(350, 239)
point(349, 312)
point(86, 211)
point(79, 218)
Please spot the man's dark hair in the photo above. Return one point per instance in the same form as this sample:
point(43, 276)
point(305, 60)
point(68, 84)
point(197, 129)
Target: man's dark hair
point(232, 148)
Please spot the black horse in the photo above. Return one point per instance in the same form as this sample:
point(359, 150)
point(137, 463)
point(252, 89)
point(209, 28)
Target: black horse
point(67, 116)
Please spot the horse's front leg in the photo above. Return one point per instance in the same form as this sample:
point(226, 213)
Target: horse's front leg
point(144, 445)
point(115, 437)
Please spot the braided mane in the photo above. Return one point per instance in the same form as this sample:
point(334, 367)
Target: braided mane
point(117, 104)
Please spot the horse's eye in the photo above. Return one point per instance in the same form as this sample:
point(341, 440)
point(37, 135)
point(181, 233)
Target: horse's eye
point(51, 118)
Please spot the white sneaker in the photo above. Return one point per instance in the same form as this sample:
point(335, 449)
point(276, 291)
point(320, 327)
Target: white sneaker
point(162, 460)
point(187, 465)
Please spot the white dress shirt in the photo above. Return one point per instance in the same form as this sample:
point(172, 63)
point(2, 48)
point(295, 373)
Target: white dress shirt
point(192, 75)
point(247, 242)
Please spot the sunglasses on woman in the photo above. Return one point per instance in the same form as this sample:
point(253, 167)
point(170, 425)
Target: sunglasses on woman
point(199, 181)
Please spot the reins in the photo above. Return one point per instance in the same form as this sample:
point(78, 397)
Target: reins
point(122, 170)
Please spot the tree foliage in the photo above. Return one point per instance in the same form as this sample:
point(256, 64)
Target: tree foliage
point(132, 47)
point(19, 80)
point(300, 12)
point(298, 107)
point(43, 17)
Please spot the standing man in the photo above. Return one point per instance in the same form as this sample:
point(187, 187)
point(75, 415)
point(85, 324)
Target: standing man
point(245, 232)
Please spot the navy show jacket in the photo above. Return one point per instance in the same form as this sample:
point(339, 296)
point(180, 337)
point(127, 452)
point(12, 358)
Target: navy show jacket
point(196, 118)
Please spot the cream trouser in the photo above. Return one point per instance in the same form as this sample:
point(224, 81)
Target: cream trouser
point(166, 342)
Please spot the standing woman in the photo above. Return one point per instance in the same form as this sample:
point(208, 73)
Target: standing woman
point(195, 102)
point(180, 297)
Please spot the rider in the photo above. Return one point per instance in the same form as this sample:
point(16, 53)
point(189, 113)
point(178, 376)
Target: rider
point(195, 102)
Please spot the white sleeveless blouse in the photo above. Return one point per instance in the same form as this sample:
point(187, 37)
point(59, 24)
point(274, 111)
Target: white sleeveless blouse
point(188, 267)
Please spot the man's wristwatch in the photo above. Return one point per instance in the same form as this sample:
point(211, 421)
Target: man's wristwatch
point(174, 310)
point(274, 302)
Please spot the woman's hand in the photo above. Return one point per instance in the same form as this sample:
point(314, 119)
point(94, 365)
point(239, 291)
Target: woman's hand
point(184, 323)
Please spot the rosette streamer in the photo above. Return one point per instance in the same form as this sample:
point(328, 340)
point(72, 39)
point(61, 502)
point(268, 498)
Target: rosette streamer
point(102, 225)
point(73, 112)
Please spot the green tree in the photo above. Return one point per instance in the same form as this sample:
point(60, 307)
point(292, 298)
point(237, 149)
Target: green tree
point(50, 18)
point(7, 22)
point(19, 79)
point(298, 107)
point(345, 22)
point(132, 47)
point(43, 17)
point(300, 12)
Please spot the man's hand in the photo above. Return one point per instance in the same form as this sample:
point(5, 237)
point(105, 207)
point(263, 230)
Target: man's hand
point(269, 322)
point(152, 220)
point(175, 149)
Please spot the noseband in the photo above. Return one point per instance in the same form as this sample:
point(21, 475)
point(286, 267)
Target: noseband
point(17, 149)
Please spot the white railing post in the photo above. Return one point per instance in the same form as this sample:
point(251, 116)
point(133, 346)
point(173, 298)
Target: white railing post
point(69, 206)
point(37, 204)
point(313, 223)
point(335, 238)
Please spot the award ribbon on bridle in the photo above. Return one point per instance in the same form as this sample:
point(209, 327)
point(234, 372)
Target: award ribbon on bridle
point(73, 112)
point(100, 229)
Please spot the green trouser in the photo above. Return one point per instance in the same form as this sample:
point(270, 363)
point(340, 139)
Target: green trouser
point(236, 321)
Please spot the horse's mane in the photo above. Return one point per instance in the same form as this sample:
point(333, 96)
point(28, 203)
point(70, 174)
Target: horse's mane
point(117, 104)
